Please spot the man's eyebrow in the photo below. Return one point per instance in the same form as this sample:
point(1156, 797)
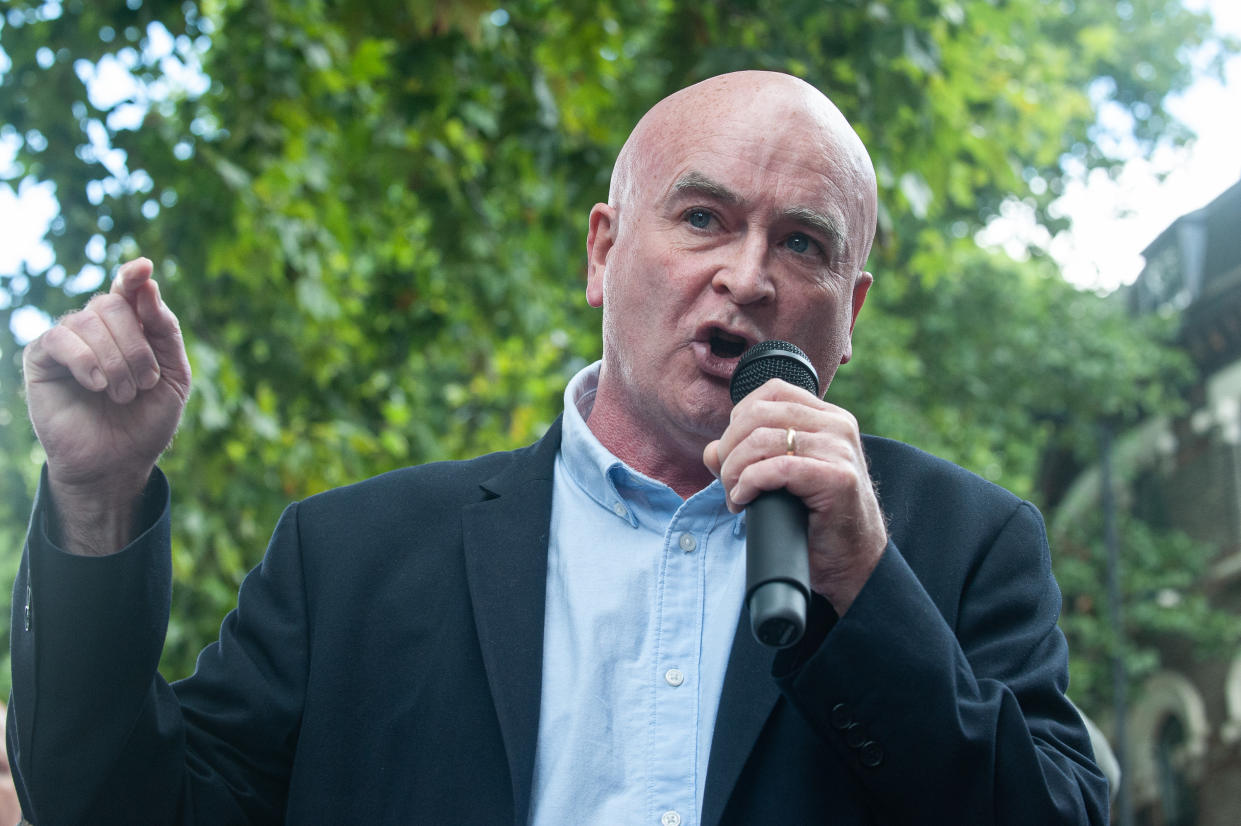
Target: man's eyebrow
point(696, 182)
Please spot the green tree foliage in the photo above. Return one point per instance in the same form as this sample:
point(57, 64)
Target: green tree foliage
point(371, 221)
point(1164, 606)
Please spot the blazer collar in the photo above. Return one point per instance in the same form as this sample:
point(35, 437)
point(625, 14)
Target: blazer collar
point(746, 702)
point(751, 692)
point(505, 544)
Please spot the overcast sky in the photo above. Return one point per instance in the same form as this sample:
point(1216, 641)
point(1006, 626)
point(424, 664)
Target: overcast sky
point(1113, 221)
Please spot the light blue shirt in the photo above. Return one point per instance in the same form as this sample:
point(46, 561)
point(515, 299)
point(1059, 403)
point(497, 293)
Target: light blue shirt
point(644, 590)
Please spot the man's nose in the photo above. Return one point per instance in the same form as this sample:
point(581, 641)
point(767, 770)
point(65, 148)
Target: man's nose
point(745, 273)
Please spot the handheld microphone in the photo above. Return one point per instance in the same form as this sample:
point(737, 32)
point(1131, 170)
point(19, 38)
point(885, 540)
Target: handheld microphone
point(777, 567)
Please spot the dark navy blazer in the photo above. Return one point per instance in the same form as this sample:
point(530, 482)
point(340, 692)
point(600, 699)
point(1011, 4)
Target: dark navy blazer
point(383, 666)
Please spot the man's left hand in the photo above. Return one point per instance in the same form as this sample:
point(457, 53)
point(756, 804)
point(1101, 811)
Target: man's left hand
point(826, 469)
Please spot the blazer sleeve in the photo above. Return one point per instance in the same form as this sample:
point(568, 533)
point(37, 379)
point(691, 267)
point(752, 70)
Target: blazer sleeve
point(966, 720)
point(97, 736)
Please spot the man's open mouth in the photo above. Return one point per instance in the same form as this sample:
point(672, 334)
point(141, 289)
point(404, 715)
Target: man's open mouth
point(725, 345)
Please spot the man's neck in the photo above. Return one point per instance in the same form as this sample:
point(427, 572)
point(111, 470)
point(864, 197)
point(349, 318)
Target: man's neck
point(652, 452)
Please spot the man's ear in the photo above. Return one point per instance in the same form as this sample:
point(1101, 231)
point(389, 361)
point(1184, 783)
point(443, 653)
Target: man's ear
point(599, 240)
point(860, 288)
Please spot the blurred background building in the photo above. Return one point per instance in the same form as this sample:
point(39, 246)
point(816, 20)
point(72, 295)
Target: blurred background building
point(1183, 722)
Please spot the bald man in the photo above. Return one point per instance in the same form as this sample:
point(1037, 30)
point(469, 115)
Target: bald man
point(558, 633)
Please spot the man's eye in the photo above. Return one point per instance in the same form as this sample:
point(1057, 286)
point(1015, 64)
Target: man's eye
point(799, 243)
point(698, 218)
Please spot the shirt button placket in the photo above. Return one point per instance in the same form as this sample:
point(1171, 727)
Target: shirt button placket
point(678, 656)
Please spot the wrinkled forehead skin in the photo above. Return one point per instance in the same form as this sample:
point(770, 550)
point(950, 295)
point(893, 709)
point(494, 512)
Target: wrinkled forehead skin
point(764, 115)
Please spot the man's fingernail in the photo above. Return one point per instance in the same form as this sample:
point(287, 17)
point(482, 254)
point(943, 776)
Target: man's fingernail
point(149, 380)
point(97, 380)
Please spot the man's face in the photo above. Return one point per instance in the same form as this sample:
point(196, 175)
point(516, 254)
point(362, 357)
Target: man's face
point(732, 231)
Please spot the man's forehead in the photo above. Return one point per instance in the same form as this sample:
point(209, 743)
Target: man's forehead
point(729, 144)
point(770, 121)
point(738, 108)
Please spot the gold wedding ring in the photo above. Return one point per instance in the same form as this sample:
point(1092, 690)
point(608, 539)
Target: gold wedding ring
point(790, 442)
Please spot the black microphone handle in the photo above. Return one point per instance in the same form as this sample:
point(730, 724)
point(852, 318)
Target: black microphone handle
point(777, 588)
point(777, 570)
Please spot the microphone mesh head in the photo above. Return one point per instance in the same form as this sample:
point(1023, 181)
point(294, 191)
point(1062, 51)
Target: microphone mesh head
point(772, 359)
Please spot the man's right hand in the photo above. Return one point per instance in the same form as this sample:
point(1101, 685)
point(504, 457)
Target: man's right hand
point(106, 388)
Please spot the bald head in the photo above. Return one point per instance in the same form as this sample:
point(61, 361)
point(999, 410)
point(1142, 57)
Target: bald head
point(741, 103)
point(741, 209)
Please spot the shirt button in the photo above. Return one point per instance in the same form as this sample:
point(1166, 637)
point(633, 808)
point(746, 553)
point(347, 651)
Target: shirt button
point(687, 542)
point(620, 510)
point(670, 818)
point(674, 677)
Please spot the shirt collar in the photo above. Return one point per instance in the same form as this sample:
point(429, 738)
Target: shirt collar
point(602, 476)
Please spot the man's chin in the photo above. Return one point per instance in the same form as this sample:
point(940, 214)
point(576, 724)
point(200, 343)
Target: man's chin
point(707, 411)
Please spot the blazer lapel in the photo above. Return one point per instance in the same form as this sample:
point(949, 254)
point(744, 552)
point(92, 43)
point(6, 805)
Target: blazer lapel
point(750, 694)
point(505, 543)
point(746, 702)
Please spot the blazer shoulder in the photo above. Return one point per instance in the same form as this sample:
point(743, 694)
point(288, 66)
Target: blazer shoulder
point(909, 479)
point(948, 522)
point(440, 485)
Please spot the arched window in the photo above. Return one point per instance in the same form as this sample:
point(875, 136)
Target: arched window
point(1169, 732)
point(1176, 795)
